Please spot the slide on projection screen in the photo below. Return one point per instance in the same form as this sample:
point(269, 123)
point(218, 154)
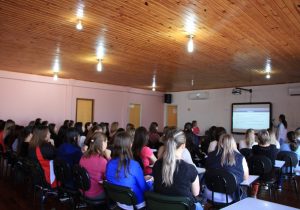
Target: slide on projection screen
point(250, 115)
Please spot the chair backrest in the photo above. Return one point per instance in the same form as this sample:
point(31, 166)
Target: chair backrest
point(259, 165)
point(246, 152)
point(221, 181)
point(81, 178)
point(120, 194)
point(290, 158)
point(37, 174)
point(155, 201)
point(63, 172)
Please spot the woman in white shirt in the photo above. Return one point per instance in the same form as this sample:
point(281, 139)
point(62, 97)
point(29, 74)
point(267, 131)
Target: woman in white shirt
point(282, 129)
point(249, 140)
point(213, 145)
point(274, 139)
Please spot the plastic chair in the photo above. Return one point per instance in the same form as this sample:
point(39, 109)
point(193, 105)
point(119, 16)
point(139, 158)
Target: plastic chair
point(221, 181)
point(155, 201)
point(262, 166)
point(64, 177)
point(291, 161)
point(120, 194)
point(83, 183)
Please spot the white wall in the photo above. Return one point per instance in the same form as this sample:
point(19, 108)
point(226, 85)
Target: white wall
point(216, 110)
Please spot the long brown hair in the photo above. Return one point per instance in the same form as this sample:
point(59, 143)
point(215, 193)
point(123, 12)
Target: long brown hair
point(96, 145)
point(39, 136)
point(122, 150)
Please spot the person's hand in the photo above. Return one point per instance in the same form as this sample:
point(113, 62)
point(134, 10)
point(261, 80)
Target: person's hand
point(107, 154)
point(148, 178)
point(51, 141)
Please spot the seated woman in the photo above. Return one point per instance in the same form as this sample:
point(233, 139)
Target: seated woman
point(172, 175)
point(41, 150)
point(69, 150)
point(24, 141)
point(273, 138)
point(141, 152)
point(213, 144)
point(227, 157)
point(123, 170)
point(291, 145)
point(265, 147)
point(185, 156)
point(249, 140)
point(94, 160)
point(154, 136)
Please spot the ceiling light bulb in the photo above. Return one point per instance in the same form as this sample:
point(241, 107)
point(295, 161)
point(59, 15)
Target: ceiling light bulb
point(79, 25)
point(99, 65)
point(153, 88)
point(55, 77)
point(56, 66)
point(190, 46)
point(268, 76)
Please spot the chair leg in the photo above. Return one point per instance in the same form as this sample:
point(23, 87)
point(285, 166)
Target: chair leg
point(295, 185)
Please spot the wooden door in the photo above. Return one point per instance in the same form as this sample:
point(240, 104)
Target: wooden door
point(135, 115)
point(84, 110)
point(172, 115)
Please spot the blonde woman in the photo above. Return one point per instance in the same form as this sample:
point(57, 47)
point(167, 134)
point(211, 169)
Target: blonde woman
point(94, 160)
point(249, 140)
point(172, 175)
point(273, 139)
point(227, 157)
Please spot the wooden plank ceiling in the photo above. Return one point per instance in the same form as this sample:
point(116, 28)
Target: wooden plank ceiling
point(233, 39)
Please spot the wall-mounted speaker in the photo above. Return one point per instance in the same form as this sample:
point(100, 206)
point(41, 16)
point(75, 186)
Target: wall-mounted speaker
point(168, 98)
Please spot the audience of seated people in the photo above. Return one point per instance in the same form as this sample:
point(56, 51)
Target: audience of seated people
point(123, 170)
point(172, 175)
point(36, 142)
point(141, 152)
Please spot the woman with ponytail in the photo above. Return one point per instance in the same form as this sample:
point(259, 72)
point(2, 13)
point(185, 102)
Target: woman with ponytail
point(94, 160)
point(291, 144)
point(282, 129)
point(172, 175)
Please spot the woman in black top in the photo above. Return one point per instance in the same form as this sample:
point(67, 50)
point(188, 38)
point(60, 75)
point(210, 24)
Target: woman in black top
point(173, 176)
point(265, 147)
point(24, 140)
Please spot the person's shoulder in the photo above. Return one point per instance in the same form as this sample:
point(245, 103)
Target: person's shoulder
point(187, 167)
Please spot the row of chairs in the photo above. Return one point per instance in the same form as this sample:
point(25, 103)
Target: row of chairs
point(263, 167)
point(115, 193)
